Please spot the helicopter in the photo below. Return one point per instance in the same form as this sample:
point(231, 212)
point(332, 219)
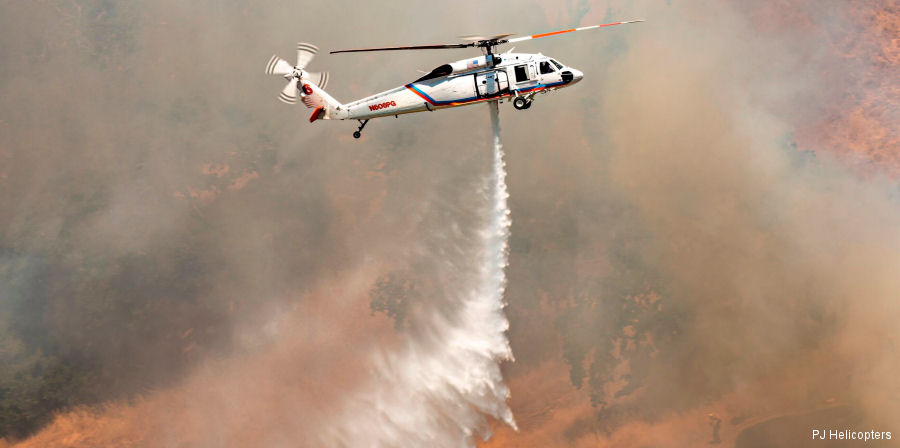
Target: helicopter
point(517, 77)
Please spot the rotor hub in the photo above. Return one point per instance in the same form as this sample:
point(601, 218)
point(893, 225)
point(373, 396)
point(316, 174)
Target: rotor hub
point(296, 73)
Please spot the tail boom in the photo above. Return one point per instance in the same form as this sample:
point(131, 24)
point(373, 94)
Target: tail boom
point(314, 97)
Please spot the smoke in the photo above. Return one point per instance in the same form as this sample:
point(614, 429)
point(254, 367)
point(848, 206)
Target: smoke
point(722, 269)
point(684, 244)
point(775, 253)
point(300, 382)
point(180, 254)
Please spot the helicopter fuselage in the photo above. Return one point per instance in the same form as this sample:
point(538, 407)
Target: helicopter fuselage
point(468, 81)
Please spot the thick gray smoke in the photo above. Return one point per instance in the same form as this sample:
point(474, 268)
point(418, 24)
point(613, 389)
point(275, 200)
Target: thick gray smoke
point(173, 238)
point(698, 261)
point(171, 231)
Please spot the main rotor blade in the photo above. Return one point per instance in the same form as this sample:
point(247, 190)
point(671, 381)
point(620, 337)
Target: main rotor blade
point(583, 28)
point(410, 47)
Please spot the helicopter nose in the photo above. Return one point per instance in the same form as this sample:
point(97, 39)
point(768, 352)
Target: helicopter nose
point(577, 75)
point(571, 76)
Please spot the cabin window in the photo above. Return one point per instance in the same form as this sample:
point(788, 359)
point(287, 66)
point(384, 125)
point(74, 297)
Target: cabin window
point(521, 73)
point(546, 67)
point(557, 64)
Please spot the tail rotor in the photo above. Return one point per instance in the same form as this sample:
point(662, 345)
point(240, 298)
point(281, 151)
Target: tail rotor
point(305, 53)
point(290, 94)
point(278, 66)
point(295, 74)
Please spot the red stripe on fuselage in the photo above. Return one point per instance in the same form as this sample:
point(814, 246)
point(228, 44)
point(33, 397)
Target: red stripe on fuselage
point(476, 100)
point(420, 95)
point(451, 103)
point(443, 103)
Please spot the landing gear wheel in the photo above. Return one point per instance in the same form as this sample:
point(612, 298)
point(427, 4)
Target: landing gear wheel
point(520, 103)
point(362, 124)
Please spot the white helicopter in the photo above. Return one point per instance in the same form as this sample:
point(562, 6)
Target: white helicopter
point(490, 77)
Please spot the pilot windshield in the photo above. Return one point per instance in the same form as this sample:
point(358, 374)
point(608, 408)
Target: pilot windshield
point(546, 68)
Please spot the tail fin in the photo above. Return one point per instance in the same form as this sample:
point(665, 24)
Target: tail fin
point(314, 96)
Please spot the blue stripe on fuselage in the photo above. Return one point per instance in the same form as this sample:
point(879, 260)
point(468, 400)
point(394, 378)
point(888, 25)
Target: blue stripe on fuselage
point(475, 98)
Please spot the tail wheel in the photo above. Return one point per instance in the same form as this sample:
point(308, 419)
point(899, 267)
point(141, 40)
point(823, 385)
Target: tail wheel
point(357, 134)
point(521, 103)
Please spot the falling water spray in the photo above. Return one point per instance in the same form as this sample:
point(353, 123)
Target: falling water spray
point(439, 390)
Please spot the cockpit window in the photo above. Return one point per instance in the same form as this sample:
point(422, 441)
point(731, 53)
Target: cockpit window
point(557, 64)
point(546, 68)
